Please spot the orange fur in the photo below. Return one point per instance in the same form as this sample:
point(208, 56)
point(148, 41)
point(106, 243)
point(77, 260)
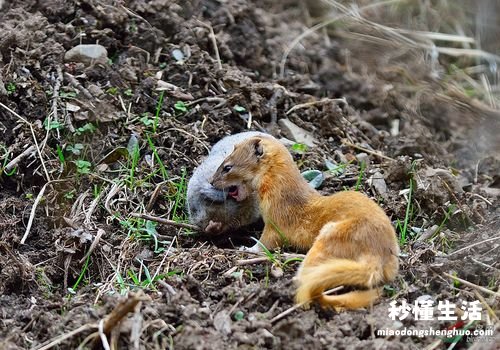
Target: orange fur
point(350, 239)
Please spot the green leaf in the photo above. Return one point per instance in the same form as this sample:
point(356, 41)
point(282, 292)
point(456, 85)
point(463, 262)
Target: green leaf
point(299, 148)
point(181, 106)
point(82, 166)
point(54, 124)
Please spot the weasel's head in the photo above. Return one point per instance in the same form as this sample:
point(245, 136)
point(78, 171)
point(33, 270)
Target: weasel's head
point(241, 171)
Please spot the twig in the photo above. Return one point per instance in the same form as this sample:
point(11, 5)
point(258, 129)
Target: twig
point(472, 285)
point(486, 305)
point(34, 138)
point(58, 340)
point(377, 154)
point(252, 261)
point(214, 42)
point(16, 160)
point(162, 261)
point(297, 306)
point(319, 102)
point(483, 264)
point(33, 211)
point(473, 245)
point(104, 339)
point(115, 317)
point(166, 221)
point(97, 238)
point(481, 197)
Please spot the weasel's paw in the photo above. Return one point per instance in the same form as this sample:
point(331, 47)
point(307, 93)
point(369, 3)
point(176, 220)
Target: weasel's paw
point(254, 249)
point(214, 227)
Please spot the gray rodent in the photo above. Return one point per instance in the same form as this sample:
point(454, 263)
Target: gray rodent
point(214, 210)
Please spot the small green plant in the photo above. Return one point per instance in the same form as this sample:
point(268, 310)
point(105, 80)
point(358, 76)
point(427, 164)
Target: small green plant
point(133, 159)
point(11, 88)
point(389, 290)
point(267, 252)
point(60, 155)
point(403, 228)
point(132, 26)
point(67, 94)
point(76, 149)
point(143, 230)
point(5, 162)
point(70, 195)
point(85, 266)
point(456, 282)
point(52, 125)
point(178, 213)
point(449, 212)
point(146, 120)
point(82, 166)
point(128, 93)
point(291, 260)
point(299, 148)
point(181, 106)
point(112, 90)
point(87, 128)
point(163, 170)
point(362, 167)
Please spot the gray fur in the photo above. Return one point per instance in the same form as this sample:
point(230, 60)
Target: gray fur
point(206, 204)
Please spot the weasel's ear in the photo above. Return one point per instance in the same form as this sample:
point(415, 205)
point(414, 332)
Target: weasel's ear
point(259, 150)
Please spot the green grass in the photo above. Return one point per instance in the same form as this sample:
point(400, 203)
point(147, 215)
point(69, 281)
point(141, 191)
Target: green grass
point(270, 255)
point(6, 161)
point(362, 167)
point(178, 213)
point(85, 266)
point(163, 170)
point(403, 228)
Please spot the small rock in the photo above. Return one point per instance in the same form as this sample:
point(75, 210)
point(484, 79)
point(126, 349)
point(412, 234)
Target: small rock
point(87, 54)
point(222, 322)
point(178, 55)
point(296, 133)
point(428, 233)
point(95, 90)
point(276, 271)
point(378, 183)
point(128, 74)
point(363, 158)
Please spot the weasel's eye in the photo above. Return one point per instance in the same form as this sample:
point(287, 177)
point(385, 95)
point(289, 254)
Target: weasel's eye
point(227, 168)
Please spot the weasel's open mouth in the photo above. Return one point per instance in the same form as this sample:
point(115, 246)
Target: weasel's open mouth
point(233, 192)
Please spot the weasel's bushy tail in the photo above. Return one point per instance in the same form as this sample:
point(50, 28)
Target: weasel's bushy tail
point(314, 280)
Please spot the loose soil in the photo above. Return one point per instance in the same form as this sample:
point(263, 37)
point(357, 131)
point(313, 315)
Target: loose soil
point(84, 255)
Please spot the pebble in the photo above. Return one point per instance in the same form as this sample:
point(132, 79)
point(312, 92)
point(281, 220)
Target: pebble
point(296, 133)
point(87, 54)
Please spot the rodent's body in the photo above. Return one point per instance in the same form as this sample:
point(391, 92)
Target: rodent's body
point(350, 239)
point(210, 208)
